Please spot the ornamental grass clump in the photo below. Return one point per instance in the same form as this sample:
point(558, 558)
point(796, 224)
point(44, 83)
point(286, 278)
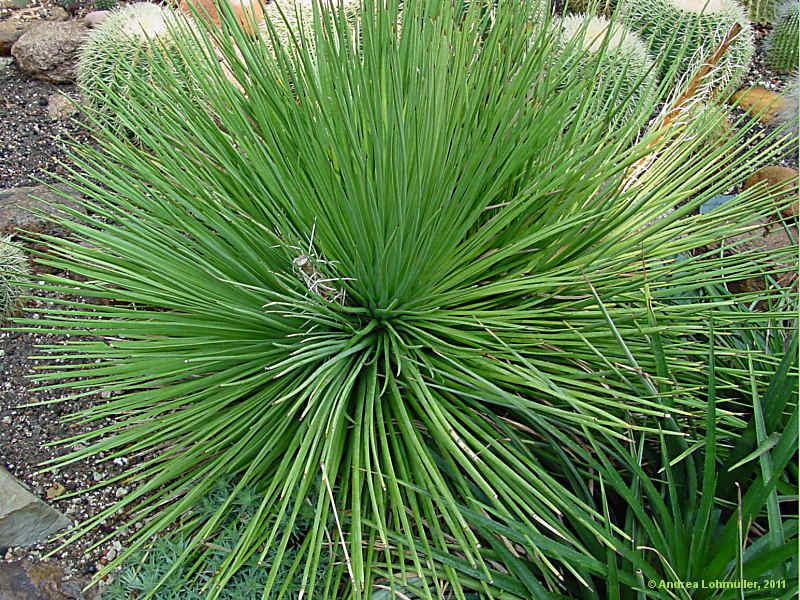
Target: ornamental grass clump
point(378, 288)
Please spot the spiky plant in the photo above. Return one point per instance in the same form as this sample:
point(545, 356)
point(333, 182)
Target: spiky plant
point(124, 46)
point(680, 34)
point(13, 269)
point(707, 511)
point(615, 60)
point(760, 11)
point(104, 4)
point(384, 285)
point(782, 43)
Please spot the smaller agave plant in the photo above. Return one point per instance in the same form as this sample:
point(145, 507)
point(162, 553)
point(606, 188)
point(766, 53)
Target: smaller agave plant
point(13, 270)
point(615, 59)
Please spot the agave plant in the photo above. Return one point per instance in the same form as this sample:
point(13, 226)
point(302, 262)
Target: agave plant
point(381, 284)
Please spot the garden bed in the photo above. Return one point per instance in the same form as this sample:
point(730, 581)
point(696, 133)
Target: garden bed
point(33, 146)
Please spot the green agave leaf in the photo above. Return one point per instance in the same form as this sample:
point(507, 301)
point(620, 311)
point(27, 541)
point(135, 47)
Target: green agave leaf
point(351, 271)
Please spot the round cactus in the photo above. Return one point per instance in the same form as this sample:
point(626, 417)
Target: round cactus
point(781, 44)
point(760, 11)
point(682, 33)
point(104, 4)
point(125, 46)
point(625, 72)
point(293, 19)
point(13, 270)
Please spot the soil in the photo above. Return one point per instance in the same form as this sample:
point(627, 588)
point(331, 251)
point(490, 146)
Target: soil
point(25, 429)
point(33, 145)
point(32, 148)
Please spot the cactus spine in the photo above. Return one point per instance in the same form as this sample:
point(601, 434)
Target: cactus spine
point(760, 11)
point(624, 73)
point(126, 46)
point(292, 19)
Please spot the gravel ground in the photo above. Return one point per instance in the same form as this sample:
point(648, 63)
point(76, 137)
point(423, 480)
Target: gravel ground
point(31, 148)
point(33, 145)
point(24, 430)
point(760, 75)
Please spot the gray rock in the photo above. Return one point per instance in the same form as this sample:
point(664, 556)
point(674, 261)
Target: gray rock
point(56, 13)
point(26, 580)
point(24, 519)
point(17, 203)
point(10, 31)
point(49, 51)
point(60, 106)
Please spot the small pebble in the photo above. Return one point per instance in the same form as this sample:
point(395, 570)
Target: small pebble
point(55, 490)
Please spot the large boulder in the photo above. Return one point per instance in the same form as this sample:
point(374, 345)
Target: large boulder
point(24, 519)
point(49, 51)
point(784, 181)
point(12, 28)
point(10, 31)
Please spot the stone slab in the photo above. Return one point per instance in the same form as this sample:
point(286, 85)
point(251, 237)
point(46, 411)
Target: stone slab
point(24, 519)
